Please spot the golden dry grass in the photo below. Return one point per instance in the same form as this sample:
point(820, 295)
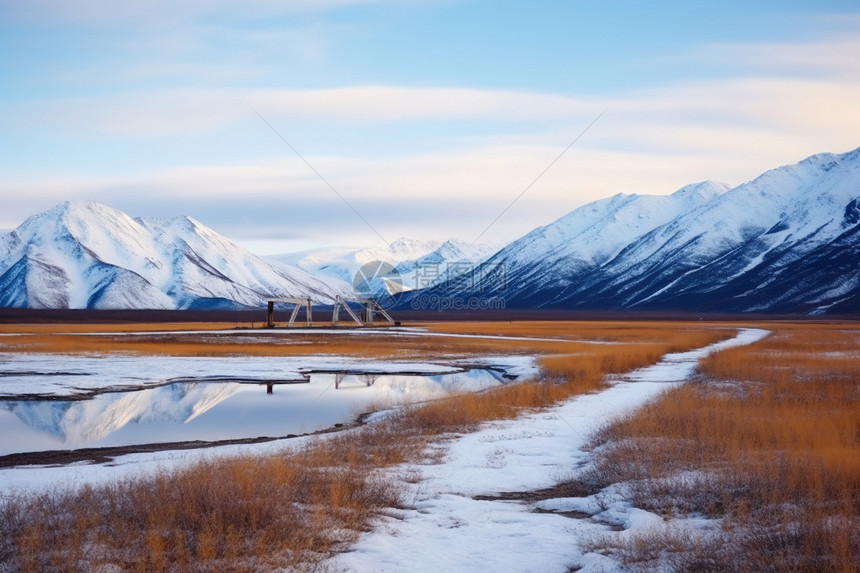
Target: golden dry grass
point(295, 509)
point(233, 514)
point(771, 433)
point(219, 340)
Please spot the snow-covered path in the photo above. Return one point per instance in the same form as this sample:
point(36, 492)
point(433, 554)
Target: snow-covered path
point(446, 529)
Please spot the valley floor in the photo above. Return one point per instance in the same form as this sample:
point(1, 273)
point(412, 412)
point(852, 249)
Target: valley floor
point(479, 504)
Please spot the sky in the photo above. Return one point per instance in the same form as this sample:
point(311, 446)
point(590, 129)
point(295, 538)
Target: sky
point(295, 124)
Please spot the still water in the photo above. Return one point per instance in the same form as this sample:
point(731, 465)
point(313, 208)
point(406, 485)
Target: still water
point(209, 411)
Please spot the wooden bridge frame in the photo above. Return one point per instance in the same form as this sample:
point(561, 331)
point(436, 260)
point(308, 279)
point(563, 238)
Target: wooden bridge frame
point(371, 309)
point(298, 302)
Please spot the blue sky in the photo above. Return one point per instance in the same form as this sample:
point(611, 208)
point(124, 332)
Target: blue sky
point(427, 116)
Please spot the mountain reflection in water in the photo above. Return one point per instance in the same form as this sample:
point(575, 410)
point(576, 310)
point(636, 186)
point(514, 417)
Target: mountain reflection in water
point(209, 411)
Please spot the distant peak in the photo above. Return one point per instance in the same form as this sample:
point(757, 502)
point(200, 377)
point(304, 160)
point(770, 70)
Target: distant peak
point(408, 242)
point(827, 161)
point(194, 222)
point(824, 161)
point(702, 189)
point(77, 206)
point(82, 211)
point(451, 243)
point(853, 155)
point(84, 204)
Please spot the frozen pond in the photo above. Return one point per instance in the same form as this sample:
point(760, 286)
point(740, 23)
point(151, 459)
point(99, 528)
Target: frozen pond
point(50, 402)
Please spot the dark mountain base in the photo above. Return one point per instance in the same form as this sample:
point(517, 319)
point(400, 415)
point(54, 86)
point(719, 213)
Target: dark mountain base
point(258, 317)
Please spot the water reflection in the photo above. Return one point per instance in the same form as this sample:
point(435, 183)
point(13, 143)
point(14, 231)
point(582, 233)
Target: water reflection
point(216, 410)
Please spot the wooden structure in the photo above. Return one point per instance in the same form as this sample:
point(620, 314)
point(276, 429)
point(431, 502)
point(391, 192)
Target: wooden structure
point(371, 308)
point(340, 303)
point(298, 302)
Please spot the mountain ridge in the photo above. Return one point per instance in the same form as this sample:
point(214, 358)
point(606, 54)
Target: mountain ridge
point(82, 254)
point(786, 241)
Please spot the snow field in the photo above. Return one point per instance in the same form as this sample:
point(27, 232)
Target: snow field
point(444, 528)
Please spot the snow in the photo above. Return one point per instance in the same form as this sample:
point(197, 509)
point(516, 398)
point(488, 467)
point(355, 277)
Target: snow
point(595, 233)
point(343, 262)
point(629, 250)
point(671, 251)
point(81, 374)
point(33, 479)
point(420, 263)
point(83, 254)
point(442, 526)
point(314, 405)
point(450, 260)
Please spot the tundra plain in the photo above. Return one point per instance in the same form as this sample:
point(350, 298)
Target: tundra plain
point(761, 441)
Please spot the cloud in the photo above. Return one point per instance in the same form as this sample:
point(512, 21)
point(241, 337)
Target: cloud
point(778, 104)
point(436, 161)
point(430, 196)
point(200, 111)
point(394, 103)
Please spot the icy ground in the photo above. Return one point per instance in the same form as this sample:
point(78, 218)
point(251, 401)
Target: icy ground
point(84, 374)
point(445, 528)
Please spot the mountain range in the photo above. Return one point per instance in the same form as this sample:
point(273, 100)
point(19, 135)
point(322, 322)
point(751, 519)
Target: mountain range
point(412, 259)
point(785, 242)
point(84, 254)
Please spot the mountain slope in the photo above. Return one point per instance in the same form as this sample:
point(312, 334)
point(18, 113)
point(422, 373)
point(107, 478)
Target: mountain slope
point(556, 257)
point(419, 263)
point(86, 255)
point(450, 259)
point(343, 262)
point(788, 241)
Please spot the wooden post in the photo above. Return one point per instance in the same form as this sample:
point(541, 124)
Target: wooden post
point(270, 315)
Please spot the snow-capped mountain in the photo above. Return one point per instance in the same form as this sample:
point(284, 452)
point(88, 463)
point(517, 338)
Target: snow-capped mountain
point(84, 254)
point(450, 259)
point(343, 262)
point(788, 241)
point(419, 263)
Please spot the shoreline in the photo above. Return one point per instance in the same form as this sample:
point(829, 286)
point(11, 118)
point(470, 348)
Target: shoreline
point(109, 454)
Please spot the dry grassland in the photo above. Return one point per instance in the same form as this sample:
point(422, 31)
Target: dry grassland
point(208, 340)
point(768, 439)
point(296, 508)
